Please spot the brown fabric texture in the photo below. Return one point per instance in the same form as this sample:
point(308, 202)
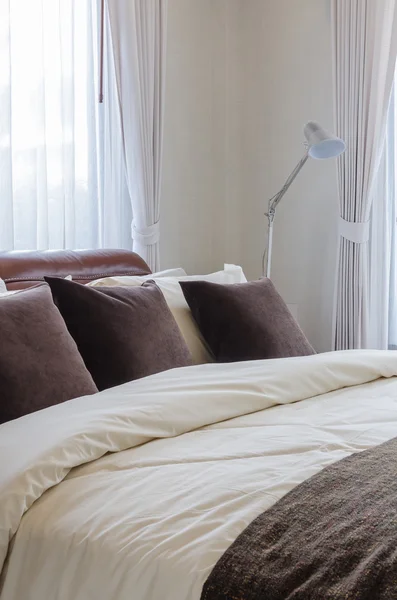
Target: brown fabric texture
point(39, 362)
point(122, 333)
point(333, 537)
point(245, 321)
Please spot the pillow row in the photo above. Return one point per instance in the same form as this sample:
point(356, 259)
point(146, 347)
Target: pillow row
point(168, 282)
point(225, 322)
point(117, 333)
point(170, 286)
point(223, 318)
point(107, 336)
point(104, 338)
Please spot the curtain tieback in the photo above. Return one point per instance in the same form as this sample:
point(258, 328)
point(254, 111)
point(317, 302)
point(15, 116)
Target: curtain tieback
point(354, 232)
point(146, 236)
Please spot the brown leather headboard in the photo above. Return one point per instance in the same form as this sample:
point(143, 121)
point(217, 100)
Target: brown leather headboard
point(24, 269)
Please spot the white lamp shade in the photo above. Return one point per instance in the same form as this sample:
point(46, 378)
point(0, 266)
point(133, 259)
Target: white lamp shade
point(321, 143)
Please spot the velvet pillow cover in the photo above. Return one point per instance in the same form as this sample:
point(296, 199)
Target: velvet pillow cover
point(122, 333)
point(245, 321)
point(177, 304)
point(39, 362)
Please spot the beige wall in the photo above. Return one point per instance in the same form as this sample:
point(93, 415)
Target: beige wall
point(194, 134)
point(243, 78)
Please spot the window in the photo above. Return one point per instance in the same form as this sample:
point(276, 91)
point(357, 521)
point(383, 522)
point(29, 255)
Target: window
point(58, 186)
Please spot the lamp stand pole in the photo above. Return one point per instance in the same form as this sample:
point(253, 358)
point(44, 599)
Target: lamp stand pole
point(270, 218)
point(271, 213)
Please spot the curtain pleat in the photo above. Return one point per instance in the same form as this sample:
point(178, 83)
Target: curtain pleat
point(383, 276)
point(138, 31)
point(364, 55)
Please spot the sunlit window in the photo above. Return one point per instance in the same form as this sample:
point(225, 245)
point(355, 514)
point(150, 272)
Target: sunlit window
point(49, 124)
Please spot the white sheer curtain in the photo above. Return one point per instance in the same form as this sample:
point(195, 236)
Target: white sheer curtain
point(391, 219)
point(138, 31)
point(58, 187)
point(383, 248)
point(115, 204)
point(365, 48)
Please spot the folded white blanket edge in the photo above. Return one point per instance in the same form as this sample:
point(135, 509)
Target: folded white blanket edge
point(38, 450)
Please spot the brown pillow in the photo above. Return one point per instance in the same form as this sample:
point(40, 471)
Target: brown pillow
point(122, 333)
point(39, 361)
point(245, 321)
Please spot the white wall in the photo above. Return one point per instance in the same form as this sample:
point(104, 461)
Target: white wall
point(194, 134)
point(288, 50)
point(203, 176)
point(243, 78)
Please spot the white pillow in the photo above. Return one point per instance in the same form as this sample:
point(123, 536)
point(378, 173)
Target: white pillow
point(177, 304)
point(179, 272)
point(136, 279)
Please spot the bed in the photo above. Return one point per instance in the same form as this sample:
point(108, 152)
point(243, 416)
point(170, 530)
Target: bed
point(138, 491)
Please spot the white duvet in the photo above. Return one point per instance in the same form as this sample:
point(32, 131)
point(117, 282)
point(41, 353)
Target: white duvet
point(189, 458)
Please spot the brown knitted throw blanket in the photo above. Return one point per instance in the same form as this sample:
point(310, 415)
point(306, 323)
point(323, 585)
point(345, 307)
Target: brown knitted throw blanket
point(332, 537)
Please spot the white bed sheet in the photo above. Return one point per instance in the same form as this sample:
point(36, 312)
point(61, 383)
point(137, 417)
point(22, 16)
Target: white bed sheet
point(150, 522)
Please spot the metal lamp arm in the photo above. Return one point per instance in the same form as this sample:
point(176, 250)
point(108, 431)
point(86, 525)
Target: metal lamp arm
point(273, 203)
